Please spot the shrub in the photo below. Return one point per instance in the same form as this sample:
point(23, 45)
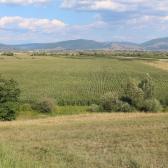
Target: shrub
point(94, 108)
point(124, 107)
point(25, 107)
point(9, 90)
point(108, 101)
point(39, 54)
point(164, 102)
point(7, 54)
point(46, 105)
point(147, 86)
point(133, 95)
point(152, 105)
point(9, 95)
point(8, 111)
point(137, 95)
point(133, 164)
point(111, 103)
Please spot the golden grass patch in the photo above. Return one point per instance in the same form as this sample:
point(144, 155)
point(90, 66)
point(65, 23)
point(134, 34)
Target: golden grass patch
point(106, 140)
point(159, 64)
point(80, 118)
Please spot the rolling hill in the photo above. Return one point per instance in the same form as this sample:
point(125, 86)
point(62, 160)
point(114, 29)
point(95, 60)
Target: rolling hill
point(156, 44)
point(160, 44)
point(79, 44)
point(67, 45)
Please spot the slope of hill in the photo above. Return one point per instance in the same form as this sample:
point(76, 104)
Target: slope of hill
point(125, 46)
point(79, 44)
point(3, 46)
point(156, 44)
point(65, 45)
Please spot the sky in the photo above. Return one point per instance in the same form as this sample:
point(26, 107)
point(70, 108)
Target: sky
point(27, 21)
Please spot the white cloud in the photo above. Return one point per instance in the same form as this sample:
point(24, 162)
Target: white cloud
point(23, 2)
point(148, 23)
point(16, 29)
point(108, 4)
point(116, 5)
point(94, 5)
point(146, 20)
point(31, 24)
point(92, 26)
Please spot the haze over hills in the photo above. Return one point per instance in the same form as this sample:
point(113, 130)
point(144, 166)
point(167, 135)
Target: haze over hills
point(160, 44)
point(156, 44)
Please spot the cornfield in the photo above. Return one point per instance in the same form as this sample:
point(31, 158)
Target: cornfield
point(77, 81)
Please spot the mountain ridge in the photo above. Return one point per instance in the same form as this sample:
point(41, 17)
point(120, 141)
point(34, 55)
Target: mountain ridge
point(159, 44)
point(156, 44)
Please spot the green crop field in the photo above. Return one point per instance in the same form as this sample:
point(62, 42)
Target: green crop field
point(132, 140)
point(77, 81)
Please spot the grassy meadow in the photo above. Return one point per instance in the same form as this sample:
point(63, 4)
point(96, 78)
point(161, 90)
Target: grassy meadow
point(80, 81)
point(85, 140)
point(132, 140)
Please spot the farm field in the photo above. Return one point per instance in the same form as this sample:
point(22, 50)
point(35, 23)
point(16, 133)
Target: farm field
point(78, 81)
point(132, 140)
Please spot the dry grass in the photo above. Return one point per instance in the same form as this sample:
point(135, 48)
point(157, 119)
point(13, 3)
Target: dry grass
point(80, 118)
point(159, 64)
point(91, 140)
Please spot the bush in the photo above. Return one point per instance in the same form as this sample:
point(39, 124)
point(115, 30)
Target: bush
point(46, 105)
point(133, 164)
point(147, 86)
point(141, 96)
point(9, 90)
point(133, 95)
point(94, 108)
point(111, 103)
point(151, 105)
point(25, 107)
point(108, 102)
point(164, 102)
point(7, 54)
point(8, 111)
point(124, 107)
point(9, 95)
point(39, 54)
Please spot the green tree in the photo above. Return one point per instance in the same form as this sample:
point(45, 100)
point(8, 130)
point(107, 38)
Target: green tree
point(147, 86)
point(133, 94)
point(141, 96)
point(9, 95)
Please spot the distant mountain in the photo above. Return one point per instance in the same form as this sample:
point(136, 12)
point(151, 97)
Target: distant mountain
point(81, 44)
point(125, 46)
point(160, 44)
point(72, 45)
point(3, 46)
point(65, 45)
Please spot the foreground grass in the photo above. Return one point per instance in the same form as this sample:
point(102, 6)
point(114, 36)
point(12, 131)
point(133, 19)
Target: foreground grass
point(89, 140)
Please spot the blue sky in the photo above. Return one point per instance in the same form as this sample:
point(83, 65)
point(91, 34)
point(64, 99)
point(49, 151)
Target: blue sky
point(25, 21)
